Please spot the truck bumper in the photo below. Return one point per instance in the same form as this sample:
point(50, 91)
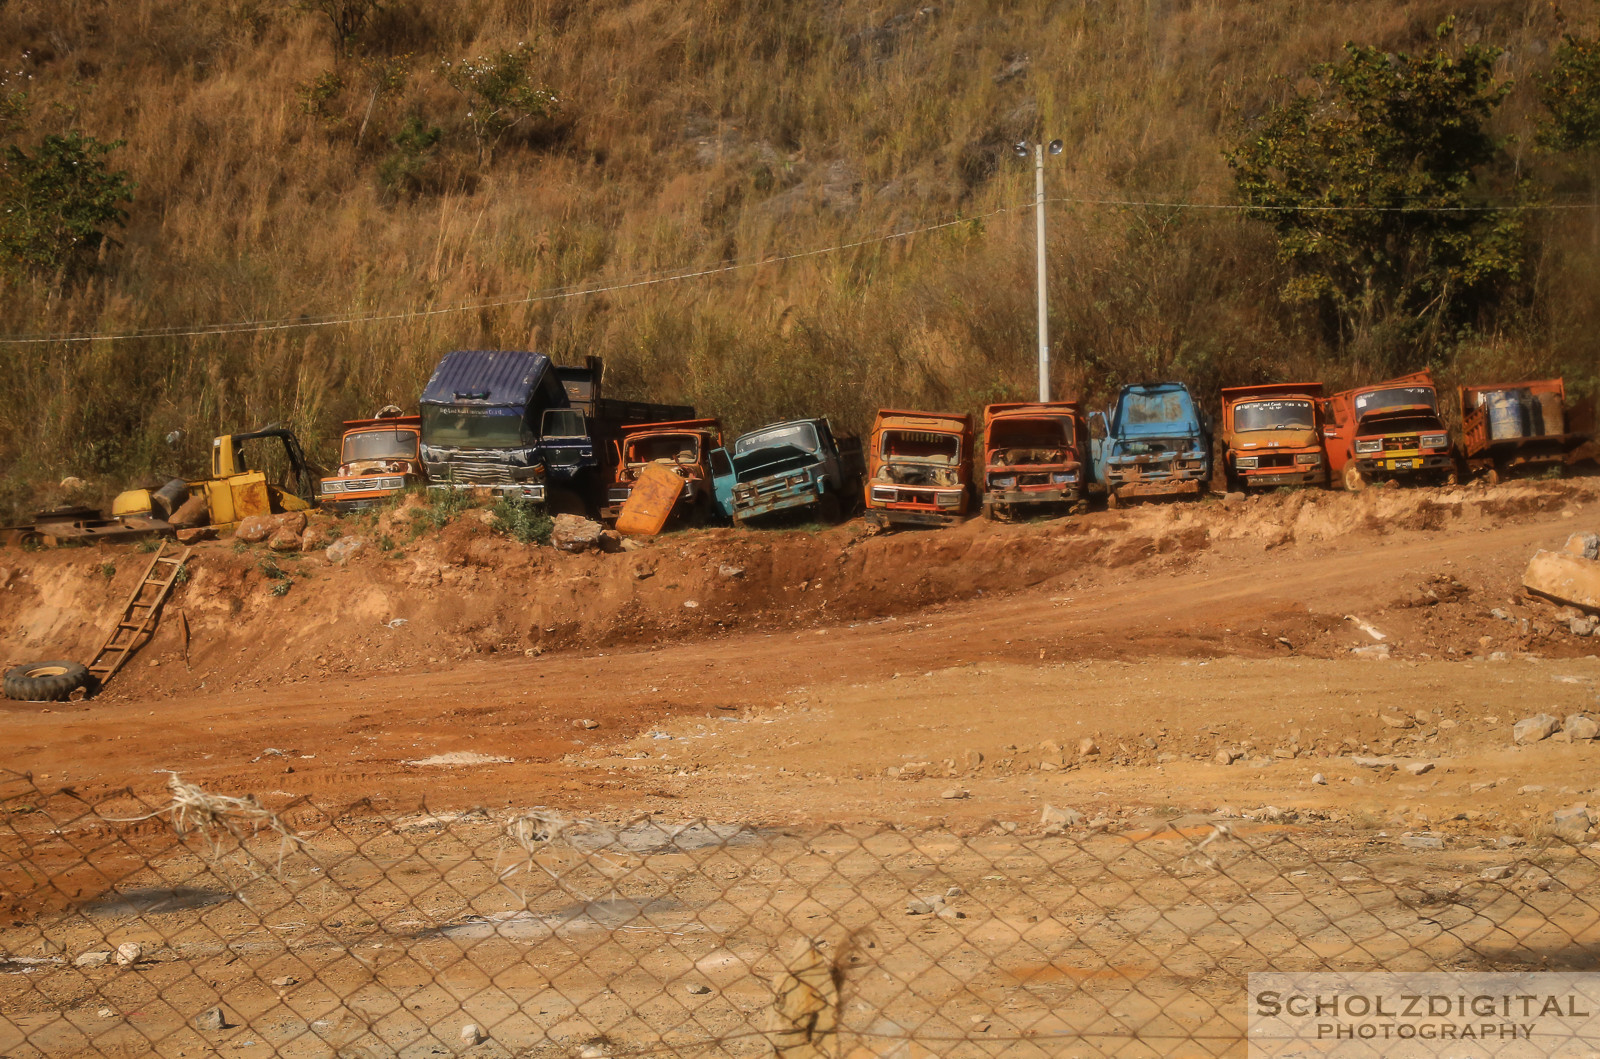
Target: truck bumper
point(1272, 477)
point(360, 503)
point(1066, 494)
point(1147, 487)
point(1389, 465)
point(904, 517)
point(767, 505)
point(533, 491)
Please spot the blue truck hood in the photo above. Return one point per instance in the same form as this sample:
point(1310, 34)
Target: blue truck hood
point(1155, 411)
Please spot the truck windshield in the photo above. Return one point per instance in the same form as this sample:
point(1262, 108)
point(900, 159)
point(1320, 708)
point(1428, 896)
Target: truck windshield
point(1028, 441)
point(794, 435)
point(564, 423)
point(920, 445)
point(1155, 409)
point(1272, 415)
point(664, 448)
point(379, 445)
point(1394, 397)
point(473, 428)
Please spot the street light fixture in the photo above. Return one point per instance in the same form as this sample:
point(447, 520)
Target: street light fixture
point(1023, 148)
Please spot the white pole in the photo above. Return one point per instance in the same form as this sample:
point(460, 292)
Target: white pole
point(1044, 319)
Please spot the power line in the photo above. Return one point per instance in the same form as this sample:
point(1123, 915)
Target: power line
point(551, 294)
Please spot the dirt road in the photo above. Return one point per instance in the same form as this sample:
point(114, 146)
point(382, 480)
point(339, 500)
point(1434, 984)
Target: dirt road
point(1161, 637)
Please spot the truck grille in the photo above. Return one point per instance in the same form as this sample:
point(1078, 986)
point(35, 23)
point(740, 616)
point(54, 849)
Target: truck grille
point(1401, 442)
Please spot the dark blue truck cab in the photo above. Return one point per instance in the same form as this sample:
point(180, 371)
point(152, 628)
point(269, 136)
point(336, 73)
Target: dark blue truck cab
point(485, 417)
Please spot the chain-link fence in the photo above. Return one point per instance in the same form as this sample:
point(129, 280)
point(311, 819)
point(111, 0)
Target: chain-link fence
point(207, 924)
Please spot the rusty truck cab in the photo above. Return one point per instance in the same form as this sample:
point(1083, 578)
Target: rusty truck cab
point(1271, 435)
point(1033, 456)
point(684, 445)
point(378, 458)
point(919, 472)
point(1388, 431)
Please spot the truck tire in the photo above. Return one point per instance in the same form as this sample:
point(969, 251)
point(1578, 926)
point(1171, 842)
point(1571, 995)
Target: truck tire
point(45, 681)
point(829, 509)
point(1113, 501)
point(1354, 480)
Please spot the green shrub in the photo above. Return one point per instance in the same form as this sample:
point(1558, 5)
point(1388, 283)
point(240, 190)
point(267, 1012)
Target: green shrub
point(56, 204)
point(523, 520)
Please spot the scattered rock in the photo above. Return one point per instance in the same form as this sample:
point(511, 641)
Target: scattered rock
point(973, 759)
point(1376, 651)
point(1533, 729)
point(195, 535)
point(1088, 747)
point(946, 912)
point(282, 540)
point(730, 572)
point(574, 533)
point(954, 793)
point(1498, 613)
point(1059, 819)
point(611, 542)
point(1422, 840)
point(1579, 726)
point(98, 958)
point(585, 722)
point(954, 891)
point(1420, 768)
point(210, 1020)
point(1565, 578)
point(471, 1034)
point(918, 907)
point(1584, 626)
point(691, 603)
point(129, 953)
point(316, 538)
point(1373, 762)
point(1583, 545)
point(631, 545)
point(698, 989)
point(285, 982)
point(1496, 874)
point(1319, 779)
point(1571, 822)
point(1531, 788)
point(343, 548)
point(1225, 756)
point(1396, 722)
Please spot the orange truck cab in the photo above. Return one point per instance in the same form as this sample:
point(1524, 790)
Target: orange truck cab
point(1272, 436)
point(377, 458)
point(919, 472)
point(685, 446)
point(1390, 430)
point(1033, 454)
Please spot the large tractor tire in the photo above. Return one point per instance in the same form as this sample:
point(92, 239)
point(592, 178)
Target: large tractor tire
point(1354, 480)
point(45, 681)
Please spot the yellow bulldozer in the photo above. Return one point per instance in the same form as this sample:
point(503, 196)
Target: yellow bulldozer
point(233, 492)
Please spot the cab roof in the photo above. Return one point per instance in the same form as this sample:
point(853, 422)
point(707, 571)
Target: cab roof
point(410, 422)
point(936, 422)
point(680, 426)
point(1031, 409)
point(1272, 389)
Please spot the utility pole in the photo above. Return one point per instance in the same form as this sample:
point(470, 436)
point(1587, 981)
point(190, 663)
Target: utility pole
point(1022, 148)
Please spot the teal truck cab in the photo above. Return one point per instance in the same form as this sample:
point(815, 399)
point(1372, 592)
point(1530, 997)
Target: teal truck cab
point(785, 467)
point(1152, 442)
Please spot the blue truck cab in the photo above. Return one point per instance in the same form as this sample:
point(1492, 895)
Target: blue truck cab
point(486, 415)
point(1152, 442)
point(787, 466)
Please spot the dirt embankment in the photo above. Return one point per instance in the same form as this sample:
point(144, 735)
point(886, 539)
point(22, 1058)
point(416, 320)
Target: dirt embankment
point(246, 615)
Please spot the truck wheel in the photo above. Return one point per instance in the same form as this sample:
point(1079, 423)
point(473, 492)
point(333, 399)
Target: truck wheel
point(45, 681)
point(1354, 480)
point(562, 501)
point(828, 508)
point(1113, 501)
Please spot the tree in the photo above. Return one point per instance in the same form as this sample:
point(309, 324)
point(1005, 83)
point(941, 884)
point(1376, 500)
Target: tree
point(500, 94)
point(56, 204)
point(1571, 94)
point(1370, 179)
point(346, 18)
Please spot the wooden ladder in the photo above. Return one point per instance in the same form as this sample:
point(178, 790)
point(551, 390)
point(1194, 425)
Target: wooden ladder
point(138, 619)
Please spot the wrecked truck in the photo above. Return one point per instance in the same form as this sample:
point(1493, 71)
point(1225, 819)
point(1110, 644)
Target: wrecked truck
point(1390, 430)
point(1034, 457)
point(1271, 435)
point(919, 471)
point(378, 458)
point(1511, 428)
point(684, 446)
point(1152, 442)
point(796, 465)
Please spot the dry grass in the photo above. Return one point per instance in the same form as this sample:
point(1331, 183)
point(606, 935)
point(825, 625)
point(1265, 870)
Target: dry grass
point(691, 134)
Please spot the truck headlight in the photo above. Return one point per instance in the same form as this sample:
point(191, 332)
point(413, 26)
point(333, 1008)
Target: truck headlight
point(1247, 463)
point(797, 479)
point(947, 499)
point(1308, 457)
point(1060, 478)
point(884, 494)
point(328, 487)
point(1003, 483)
point(1433, 441)
point(1375, 445)
point(744, 492)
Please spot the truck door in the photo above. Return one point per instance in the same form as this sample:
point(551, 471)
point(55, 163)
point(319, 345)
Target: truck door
point(722, 482)
point(1337, 437)
point(1098, 444)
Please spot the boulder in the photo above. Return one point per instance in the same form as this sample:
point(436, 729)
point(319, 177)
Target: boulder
point(195, 535)
point(317, 538)
point(1533, 729)
point(97, 958)
point(192, 512)
point(574, 533)
point(1572, 822)
point(1579, 726)
point(1054, 819)
point(129, 953)
point(1583, 545)
point(284, 540)
point(258, 528)
point(1564, 577)
point(343, 548)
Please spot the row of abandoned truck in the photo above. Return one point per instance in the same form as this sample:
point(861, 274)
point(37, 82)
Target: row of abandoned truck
point(517, 425)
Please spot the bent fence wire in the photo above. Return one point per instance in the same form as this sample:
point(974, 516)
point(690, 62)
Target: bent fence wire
point(207, 924)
